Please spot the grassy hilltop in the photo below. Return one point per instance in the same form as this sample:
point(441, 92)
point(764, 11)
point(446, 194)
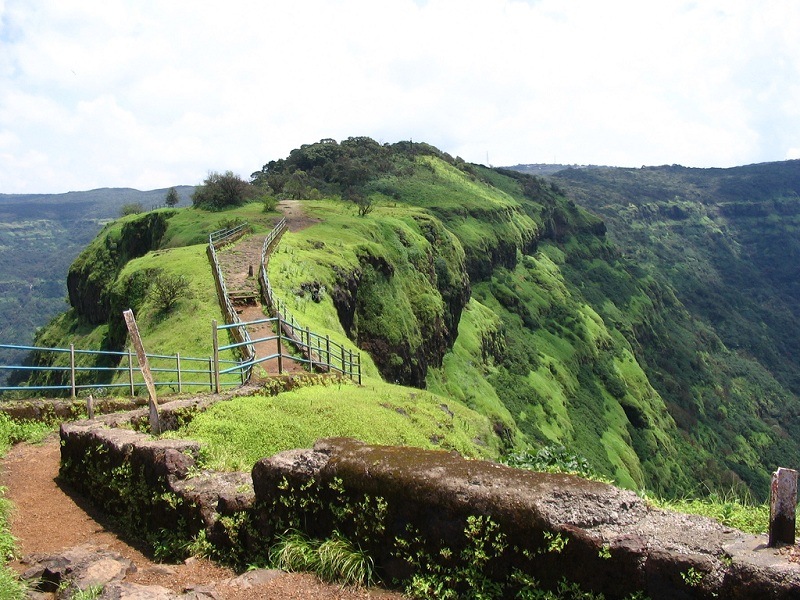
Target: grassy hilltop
point(491, 289)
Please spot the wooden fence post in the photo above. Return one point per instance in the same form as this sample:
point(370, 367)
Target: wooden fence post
point(782, 507)
point(359, 367)
point(72, 369)
point(133, 329)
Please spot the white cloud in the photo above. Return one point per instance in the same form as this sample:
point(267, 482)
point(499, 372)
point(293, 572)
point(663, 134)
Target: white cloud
point(117, 93)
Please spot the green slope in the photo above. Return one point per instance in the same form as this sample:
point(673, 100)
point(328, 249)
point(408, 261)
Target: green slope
point(498, 292)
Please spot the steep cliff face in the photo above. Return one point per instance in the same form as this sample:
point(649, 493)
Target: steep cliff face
point(403, 307)
point(93, 273)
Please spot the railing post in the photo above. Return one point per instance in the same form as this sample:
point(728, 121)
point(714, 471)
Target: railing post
point(130, 371)
point(310, 353)
point(211, 373)
point(72, 368)
point(280, 350)
point(328, 351)
point(359, 368)
point(215, 342)
point(178, 366)
point(350, 364)
point(343, 369)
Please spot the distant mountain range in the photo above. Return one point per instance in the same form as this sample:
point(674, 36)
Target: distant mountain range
point(40, 236)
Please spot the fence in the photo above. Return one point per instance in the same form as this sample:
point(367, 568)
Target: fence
point(172, 371)
point(244, 345)
point(317, 352)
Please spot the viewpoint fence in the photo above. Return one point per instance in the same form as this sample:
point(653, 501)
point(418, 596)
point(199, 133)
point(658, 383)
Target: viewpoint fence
point(243, 345)
point(67, 370)
point(66, 375)
point(316, 352)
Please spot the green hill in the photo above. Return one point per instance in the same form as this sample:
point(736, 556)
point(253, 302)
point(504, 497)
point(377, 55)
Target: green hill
point(496, 290)
point(40, 236)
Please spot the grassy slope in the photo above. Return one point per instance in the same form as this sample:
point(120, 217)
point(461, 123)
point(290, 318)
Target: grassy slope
point(718, 245)
point(559, 344)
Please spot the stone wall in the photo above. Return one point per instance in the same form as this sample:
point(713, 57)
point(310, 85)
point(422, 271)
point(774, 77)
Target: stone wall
point(420, 512)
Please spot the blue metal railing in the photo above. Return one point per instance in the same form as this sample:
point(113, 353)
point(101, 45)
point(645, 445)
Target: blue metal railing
point(173, 371)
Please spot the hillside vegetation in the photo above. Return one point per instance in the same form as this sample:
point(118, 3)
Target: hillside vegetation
point(40, 236)
point(494, 290)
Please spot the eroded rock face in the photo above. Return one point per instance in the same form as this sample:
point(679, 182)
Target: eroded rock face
point(604, 538)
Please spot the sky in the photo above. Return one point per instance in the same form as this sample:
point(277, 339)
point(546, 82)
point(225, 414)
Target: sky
point(150, 93)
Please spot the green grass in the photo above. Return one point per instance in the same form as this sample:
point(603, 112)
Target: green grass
point(728, 509)
point(335, 559)
point(238, 432)
point(190, 226)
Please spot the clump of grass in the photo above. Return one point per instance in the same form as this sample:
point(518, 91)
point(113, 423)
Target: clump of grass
point(13, 432)
point(727, 508)
point(335, 559)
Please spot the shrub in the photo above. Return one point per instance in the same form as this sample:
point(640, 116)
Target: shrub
point(167, 289)
point(131, 208)
point(221, 190)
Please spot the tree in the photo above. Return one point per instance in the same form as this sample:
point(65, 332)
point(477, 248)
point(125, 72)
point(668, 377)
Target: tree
point(172, 198)
point(167, 289)
point(222, 190)
point(131, 208)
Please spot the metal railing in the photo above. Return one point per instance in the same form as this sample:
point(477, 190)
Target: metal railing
point(317, 352)
point(72, 375)
point(244, 346)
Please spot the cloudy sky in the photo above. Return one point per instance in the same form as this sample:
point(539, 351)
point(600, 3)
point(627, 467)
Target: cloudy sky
point(150, 93)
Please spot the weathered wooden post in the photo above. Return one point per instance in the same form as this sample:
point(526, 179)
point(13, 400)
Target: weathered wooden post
point(782, 507)
point(90, 407)
point(133, 329)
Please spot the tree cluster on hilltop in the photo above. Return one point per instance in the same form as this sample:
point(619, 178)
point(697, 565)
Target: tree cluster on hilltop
point(332, 168)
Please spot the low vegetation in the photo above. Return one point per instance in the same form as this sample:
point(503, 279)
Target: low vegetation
point(239, 432)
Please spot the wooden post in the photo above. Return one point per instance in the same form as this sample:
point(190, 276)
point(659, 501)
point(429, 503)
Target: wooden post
point(215, 342)
point(90, 407)
point(782, 507)
point(359, 367)
point(133, 329)
point(130, 371)
point(178, 367)
point(72, 368)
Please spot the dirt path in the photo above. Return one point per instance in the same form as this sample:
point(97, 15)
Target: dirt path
point(296, 217)
point(48, 518)
point(240, 263)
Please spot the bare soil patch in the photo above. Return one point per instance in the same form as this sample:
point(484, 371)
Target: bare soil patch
point(49, 518)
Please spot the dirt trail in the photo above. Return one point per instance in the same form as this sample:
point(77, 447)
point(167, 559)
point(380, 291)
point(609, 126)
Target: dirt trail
point(48, 518)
